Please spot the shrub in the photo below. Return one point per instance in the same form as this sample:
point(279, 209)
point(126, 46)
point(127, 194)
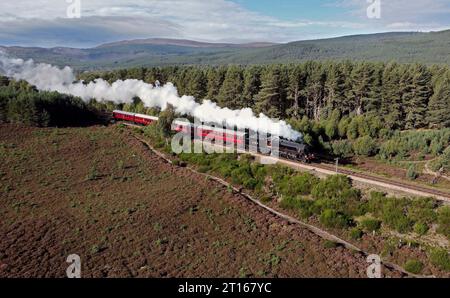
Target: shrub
point(440, 258)
point(365, 146)
point(371, 224)
point(298, 185)
point(331, 219)
point(356, 233)
point(331, 187)
point(414, 266)
point(290, 203)
point(420, 228)
point(342, 148)
point(422, 210)
point(444, 221)
point(393, 215)
point(412, 172)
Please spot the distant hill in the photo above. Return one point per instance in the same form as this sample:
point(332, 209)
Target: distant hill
point(408, 47)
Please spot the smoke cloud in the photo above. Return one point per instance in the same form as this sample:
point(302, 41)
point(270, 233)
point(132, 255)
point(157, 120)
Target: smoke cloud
point(51, 78)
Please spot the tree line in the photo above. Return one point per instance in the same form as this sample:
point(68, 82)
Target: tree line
point(22, 103)
point(401, 96)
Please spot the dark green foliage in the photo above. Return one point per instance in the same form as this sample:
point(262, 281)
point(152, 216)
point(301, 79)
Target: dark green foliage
point(271, 99)
point(332, 219)
point(439, 105)
point(365, 146)
point(165, 120)
point(414, 266)
point(230, 94)
point(22, 103)
point(421, 228)
point(356, 233)
point(342, 148)
point(411, 174)
point(298, 185)
point(370, 224)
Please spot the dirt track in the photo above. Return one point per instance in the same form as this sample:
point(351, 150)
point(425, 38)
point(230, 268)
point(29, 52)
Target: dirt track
point(134, 215)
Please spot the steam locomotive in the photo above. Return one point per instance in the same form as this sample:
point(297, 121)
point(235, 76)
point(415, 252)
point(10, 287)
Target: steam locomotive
point(243, 139)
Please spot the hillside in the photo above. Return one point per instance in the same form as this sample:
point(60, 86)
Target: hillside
point(101, 194)
point(408, 47)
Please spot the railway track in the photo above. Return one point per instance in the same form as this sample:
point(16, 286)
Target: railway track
point(365, 178)
point(431, 191)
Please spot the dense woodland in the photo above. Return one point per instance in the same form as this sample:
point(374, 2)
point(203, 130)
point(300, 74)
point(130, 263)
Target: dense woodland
point(386, 109)
point(393, 111)
point(22, 103)
point(405, 96)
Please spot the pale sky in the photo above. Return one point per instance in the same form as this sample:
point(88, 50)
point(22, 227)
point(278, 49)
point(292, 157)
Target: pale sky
point(46, 22)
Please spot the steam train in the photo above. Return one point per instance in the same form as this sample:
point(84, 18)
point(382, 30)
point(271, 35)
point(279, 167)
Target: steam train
point(242, 139)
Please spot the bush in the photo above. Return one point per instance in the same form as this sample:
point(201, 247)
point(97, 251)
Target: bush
point(414, 266)
point(423, 210)
point(356, 233)
point(420, 228)
point(393, 214)
point(365, 146)
point(440, 258)
point(371, 224)
point(290, 203)
point(412, 172)
point(444, 221)
point(300, 184)
point(342, 148)
point(331, 219)
point(331, 187)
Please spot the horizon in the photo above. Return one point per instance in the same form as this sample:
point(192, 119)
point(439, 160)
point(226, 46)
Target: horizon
point(217, 42)
point(86, 24)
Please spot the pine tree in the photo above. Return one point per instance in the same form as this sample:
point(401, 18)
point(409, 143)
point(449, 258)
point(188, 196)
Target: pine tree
point(439, 105)
point(230, 94)
point(270, 99)
point(359, 95)
point(297, 82)
point(391, 99)
point(252, 83)
point(335, 89)
point(215, 77)
point(314, 90)
point(416, 97)
point(196, 83)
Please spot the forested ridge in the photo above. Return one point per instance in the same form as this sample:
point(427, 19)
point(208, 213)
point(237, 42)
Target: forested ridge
point(405, 96)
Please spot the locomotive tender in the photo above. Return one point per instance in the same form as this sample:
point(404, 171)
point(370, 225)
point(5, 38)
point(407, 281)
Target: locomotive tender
point(245, 140)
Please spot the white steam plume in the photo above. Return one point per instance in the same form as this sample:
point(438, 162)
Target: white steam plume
point(51, 78)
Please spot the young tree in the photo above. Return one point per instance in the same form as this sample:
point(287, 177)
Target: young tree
point(166, 118)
